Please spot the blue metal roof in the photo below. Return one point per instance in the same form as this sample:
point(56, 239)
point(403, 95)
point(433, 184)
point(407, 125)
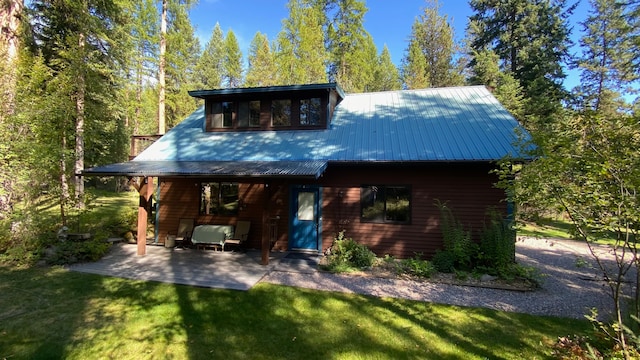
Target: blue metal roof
point(439, 124)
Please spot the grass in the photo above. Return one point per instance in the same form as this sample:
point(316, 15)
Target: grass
point(50, 313)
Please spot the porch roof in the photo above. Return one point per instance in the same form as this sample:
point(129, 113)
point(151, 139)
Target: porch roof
point(230, 169)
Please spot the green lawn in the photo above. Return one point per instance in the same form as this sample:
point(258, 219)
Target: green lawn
point(51, 313)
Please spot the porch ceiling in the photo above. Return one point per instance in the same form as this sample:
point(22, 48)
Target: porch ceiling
point(231, 169)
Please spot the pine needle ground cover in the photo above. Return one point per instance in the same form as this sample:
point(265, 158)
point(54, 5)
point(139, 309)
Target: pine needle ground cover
point(54, 313)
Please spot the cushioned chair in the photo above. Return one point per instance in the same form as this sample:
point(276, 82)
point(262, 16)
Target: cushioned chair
point(240, 234)
point(185, 229)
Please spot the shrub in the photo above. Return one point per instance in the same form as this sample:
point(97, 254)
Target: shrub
point(70, 252)
point(443, 261)
point(346, 254)
point(416, 266)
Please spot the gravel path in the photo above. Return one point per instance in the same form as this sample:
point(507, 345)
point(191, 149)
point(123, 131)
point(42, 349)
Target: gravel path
point(568, 290)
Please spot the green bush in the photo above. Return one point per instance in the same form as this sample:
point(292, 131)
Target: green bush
point(69, 252)
point(444, 262)
point(416, 266)
point(346, 254)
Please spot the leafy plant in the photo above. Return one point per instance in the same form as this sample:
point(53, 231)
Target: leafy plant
point(497, 243)
point(416, 266)
point(346, 254)
point(443, 261)
point(457, 240)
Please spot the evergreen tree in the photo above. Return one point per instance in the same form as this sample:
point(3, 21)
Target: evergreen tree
point(232, 62)
point(209, 68)
point(414, 72)
point(607, 55)
point(432, 33)
point(301, 55)
point(386, 76)
point(262, 69)
point(183, 49)
point(82, 43)
point(348, 44)
point(531, 40)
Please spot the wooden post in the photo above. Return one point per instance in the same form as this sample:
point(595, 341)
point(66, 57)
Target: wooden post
point(266, 243)
point(145, 189)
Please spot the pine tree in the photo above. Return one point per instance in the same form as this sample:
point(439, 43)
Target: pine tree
point(81, 42)
point(386, 76)
point(414, 72)
point(349, 44)
point(183, 50)
point(433, 35)
point(301, 55)
point(209, 68)
point(262, 69)
point(531, 40)
point(607, 55)
point(232, 64)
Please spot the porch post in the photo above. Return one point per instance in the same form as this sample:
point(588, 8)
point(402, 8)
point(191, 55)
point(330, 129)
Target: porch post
point(145, 190)
point(266, 243)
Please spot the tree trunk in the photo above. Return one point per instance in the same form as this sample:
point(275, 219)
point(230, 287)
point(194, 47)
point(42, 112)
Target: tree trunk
point(80, 117)
point(161, 69)
point(10, 20)
point(64, 186)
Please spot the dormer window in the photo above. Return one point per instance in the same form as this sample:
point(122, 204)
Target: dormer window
point(228, 114)
point(310, 111)
point(281, 112)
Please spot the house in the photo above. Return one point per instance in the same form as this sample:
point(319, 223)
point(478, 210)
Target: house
point(303, 162)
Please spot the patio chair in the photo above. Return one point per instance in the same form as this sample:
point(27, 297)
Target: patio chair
point(185, 229)
point(240, 234)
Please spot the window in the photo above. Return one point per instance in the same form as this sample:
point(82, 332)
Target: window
point(281, 113)
point(385, 204)
point(310, 111)
point(254, 113)
point(218, 198)
point(228, 113)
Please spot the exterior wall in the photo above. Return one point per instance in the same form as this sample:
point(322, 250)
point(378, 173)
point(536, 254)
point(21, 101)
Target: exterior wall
point(467, 188)
point(180, 198)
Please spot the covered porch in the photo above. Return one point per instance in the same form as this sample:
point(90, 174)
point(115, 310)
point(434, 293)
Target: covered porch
point(177, 189)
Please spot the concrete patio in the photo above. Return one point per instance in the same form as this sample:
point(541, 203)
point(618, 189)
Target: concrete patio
point(204, 268)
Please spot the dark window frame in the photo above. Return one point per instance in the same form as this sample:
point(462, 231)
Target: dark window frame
point(283, 112)
point(309, 117)
point(370, 211)
point(229, 112)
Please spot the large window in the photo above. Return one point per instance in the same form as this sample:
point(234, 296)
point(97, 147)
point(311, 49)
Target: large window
point(218, 198)
point(281, 113)
point(228, 112)
point(254, 113)
point(385, 204)
point(310, 111)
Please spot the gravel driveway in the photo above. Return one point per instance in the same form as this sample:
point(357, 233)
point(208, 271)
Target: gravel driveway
point(570, 288)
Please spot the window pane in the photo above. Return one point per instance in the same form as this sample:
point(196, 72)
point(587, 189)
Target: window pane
point(306, 200)
point(254, 113)
point(218, 198)
point(228, 199)
point(281, 113)
point(310, 111)
point(208, 198)
point(372, 201)
point(398, 204)
point(242, 117)
point(227, 114)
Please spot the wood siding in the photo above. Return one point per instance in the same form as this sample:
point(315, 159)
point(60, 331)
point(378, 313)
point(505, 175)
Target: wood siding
point(466, 188)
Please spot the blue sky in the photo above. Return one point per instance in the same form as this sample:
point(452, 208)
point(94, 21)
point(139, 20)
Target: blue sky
point(388, 21)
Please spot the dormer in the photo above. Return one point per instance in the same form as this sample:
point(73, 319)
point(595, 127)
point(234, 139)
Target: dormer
point(291, 107)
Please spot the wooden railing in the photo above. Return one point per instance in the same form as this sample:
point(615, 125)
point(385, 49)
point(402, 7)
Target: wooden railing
point(141, 142)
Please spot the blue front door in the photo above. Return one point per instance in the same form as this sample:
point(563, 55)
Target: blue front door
point(305, 218)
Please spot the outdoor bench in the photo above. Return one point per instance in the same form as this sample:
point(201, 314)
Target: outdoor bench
point(211, 235)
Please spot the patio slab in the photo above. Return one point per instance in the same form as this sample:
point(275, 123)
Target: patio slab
point(208, 268)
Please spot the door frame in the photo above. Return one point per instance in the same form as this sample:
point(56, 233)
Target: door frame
point(293, 194)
